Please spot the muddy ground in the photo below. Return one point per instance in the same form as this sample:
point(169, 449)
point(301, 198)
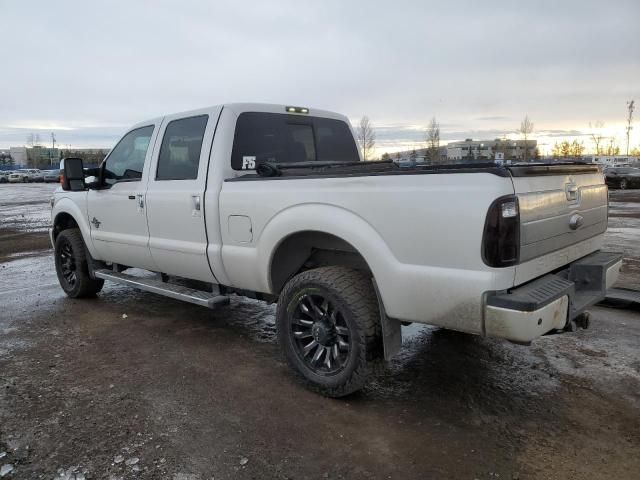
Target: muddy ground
point(132, 385)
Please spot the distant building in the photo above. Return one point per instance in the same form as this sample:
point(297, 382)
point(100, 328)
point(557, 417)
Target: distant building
point(489, 150)
point(43, 157)
point(36, 157)
point(91, 156)
point(612, 160)
point(419, 155)
point(19, 155)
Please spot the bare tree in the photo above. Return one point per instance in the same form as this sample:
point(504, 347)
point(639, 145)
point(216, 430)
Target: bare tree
point(630, 108)
point(576, 149)
point(31, 140)
point(366, 137)
point(612, 148)
point(433, 141)
point(596, 135)
point(526, 129)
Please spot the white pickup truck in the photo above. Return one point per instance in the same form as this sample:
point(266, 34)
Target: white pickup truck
point(273, 202)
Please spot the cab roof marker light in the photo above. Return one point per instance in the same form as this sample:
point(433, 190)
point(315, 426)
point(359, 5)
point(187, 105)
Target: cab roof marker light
point(297, 110)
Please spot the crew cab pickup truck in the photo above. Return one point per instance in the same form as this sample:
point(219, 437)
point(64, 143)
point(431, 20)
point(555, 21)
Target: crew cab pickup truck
point(273, 202)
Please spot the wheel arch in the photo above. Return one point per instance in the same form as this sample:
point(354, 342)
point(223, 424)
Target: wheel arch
point(63, 221)
point(340, 236)
point(311, 249)
point(67, 214)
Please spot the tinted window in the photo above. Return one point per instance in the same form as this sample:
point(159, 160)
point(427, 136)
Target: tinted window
point(126, 160)
point(301, 143)
point(281, 138)
point(335, 141)
point(180, 150)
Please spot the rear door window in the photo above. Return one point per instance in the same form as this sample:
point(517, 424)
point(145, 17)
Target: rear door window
point(179, 157)
point(282, 138)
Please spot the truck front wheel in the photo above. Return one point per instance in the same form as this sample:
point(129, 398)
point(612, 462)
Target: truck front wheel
point(328, 328)
point(71, 265)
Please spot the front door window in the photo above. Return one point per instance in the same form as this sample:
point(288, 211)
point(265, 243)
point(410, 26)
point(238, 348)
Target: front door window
point(126, 161)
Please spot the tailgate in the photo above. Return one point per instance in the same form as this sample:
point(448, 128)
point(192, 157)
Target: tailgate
point(559, 205)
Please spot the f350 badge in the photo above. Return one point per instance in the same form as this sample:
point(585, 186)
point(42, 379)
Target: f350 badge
point(96, 222)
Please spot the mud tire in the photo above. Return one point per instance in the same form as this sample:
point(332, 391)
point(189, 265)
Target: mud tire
point(70, 249)
point(352, 293)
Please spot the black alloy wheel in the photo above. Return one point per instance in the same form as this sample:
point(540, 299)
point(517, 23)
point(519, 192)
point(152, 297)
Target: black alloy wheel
point(67, 263)
point(321, 335)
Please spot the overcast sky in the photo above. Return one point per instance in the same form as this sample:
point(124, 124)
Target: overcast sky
point(87, 70)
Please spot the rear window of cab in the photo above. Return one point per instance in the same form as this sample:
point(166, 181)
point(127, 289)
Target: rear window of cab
point(281, 138)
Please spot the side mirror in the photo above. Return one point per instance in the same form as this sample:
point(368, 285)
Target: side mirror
point(72, 174)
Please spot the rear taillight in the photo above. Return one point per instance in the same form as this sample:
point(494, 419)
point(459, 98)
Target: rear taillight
point(501, 238)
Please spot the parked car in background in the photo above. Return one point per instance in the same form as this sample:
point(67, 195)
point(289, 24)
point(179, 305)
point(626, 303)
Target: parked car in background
point(622, 177)
point(4, 176)
point(18, 177)
point(51, 175)
point(406, 163)
point(33, 174)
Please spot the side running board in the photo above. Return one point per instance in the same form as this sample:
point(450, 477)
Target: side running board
point(199, 297)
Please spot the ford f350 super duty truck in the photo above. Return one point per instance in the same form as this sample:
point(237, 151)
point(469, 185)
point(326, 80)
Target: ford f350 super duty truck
point(274, 202)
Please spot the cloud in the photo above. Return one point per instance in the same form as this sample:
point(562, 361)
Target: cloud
point(562, 133)
point(495, 118)
point(477, 65)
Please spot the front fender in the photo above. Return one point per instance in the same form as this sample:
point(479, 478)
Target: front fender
point(79, 214)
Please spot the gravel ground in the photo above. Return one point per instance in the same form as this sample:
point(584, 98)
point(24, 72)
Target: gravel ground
point(132, 385)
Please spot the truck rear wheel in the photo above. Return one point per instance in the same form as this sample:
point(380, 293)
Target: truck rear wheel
point(71, 265)
point(328, 328)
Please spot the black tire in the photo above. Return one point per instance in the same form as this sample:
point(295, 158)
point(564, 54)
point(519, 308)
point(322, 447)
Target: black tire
point(71, 266)
point(354, 321)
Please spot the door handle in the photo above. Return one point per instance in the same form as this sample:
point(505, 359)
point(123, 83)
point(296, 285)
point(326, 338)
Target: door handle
point(196, 202)
point(140, 200)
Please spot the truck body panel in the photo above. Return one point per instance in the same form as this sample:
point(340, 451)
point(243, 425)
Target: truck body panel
point(416, 268)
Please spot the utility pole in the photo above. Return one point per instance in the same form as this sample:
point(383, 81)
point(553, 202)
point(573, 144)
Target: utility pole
point(53, 147)
point(630, 108)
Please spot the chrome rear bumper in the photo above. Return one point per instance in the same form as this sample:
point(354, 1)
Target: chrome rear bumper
point(549, 302)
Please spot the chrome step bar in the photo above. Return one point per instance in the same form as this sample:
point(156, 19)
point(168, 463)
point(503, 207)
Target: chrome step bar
point(198, 297)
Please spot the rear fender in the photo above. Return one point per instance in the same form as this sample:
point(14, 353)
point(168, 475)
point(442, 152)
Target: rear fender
point(250, 265)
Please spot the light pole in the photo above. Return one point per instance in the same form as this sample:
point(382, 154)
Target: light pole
point(53, 147)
